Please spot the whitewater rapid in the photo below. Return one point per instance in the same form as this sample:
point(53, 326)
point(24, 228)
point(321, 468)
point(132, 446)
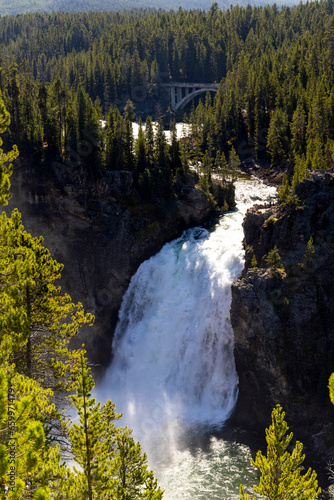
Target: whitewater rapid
point(173, 367)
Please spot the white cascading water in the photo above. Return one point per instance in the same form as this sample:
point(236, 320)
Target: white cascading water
point(173, 367)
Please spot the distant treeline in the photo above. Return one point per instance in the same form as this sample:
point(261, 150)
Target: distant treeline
point(8, 7)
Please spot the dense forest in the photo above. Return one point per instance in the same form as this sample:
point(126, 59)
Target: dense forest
point(62, 73)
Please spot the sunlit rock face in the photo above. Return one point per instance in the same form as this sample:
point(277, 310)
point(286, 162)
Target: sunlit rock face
point(283, 320)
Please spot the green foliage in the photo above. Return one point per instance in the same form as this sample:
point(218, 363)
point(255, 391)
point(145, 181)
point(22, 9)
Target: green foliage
point(233, 163)
point(281, 471)
point(272, 103)
point(273, 259)
point(310, 252)
point(278, 144)
point(91, 438)
point(298, 131)
point(23, 408)
point(299, 173)
point(134, 480)
point(36, 324)
point(112, 462)
point(286, 197)
point(308, 256)
point(254, 262)
point(6, 168)
point(35, 318)
point(331, 388)
point(243, 495)
point(270, 222)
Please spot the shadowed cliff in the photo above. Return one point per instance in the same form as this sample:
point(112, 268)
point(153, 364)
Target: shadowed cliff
point(101, 231)
point(283, 320)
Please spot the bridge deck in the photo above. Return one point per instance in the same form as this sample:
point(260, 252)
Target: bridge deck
point(190, 85)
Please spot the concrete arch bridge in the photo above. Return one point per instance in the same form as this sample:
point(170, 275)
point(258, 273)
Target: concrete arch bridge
point(182, 93)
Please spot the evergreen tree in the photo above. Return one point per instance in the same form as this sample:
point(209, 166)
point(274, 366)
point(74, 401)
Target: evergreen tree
point(134, 480)
point(233, 163)
point(299, 173)
point(274, 260)
point(298, 131)
point(140, 154)
point(112, 462)
point(162, 178)
point(286, 194)
point(92, 437)
point(281, 471)
point(89, 133)
point(114, 140)
point(5, 158)
point(23, 450)
point(128, 136)
point(174, 152)
point(331, 388)
point(37, 318)
point(278, 144)
point(149, 136)
point(284, 191)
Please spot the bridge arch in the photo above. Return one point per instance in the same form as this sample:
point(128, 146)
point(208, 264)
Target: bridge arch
point(181, 93)
point(184, 101)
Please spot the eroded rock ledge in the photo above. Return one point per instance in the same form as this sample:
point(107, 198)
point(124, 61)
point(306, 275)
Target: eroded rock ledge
point(101, 231)
point(283, 322)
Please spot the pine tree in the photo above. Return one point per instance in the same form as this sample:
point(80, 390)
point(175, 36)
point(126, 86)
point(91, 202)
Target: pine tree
point(113, 464)
point(92, 437)
point(286, 195)
point(140, 154)
point(274, 260)
point(23, 449)
point(299, 173)
point(149, 136)
point(281, 471)
point(5, 167)
point(128, 136)
point(37, 318)
point(134, 480)
point(233, 163)
point(278, 145)
point(114, 140)
point(254, 262)
point(174, 152)
point(310, 252)
point(162, 178)
point(89, 134)
point(331, 388)
point(298, 131)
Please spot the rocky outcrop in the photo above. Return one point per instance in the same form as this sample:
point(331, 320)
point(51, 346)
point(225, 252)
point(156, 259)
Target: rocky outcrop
point(101, 231)
point(224, 194)
point(268, 173)
point(283, 320)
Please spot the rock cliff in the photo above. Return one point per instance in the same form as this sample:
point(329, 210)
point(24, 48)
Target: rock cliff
point(101, 231)
point(283, 320)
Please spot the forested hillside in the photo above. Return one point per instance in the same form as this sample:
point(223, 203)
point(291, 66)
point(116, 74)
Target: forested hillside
point(61, 73)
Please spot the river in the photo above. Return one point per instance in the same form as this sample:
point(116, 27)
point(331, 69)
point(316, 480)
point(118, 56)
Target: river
point(173, 375)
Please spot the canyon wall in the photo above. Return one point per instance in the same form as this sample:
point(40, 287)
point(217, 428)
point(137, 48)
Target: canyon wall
point(283, 319)
point(101, 231)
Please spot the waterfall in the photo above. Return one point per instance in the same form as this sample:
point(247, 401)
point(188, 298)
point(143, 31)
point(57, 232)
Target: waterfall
point(173, 366)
